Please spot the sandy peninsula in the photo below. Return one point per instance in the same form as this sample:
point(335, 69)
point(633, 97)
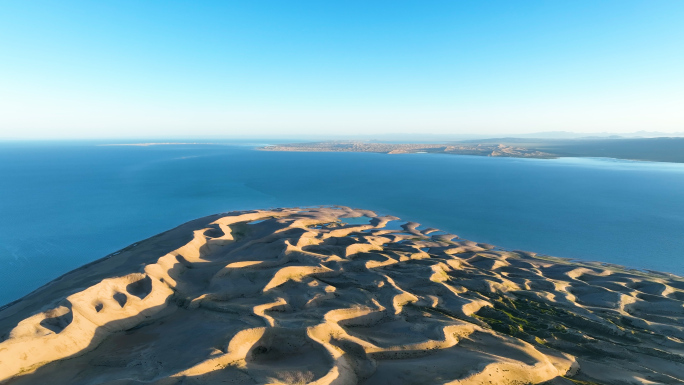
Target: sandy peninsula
point(310, 296)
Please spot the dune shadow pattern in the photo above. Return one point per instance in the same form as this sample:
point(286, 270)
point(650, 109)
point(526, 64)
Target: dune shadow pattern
point(299, 296)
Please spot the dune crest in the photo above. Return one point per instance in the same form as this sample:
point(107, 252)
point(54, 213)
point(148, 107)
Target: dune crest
point(306, 295)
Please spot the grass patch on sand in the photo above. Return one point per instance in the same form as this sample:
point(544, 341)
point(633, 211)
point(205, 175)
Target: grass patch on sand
point(239, 230)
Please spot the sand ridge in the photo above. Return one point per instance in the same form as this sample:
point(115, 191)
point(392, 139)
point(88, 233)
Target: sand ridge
point(298, 295)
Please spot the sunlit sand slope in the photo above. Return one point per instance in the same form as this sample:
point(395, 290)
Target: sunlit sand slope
point(309, 296)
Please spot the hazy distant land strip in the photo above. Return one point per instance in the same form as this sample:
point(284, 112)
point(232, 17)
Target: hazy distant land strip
point(156, 144)
point(642, 149)
point(408, 148)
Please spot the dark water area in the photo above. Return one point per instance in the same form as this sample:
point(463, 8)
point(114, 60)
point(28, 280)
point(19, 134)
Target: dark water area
point(64, 205)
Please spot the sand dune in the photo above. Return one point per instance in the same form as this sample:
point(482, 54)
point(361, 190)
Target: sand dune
point(294, 296)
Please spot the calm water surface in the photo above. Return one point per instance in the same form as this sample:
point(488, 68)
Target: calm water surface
point(63, 205)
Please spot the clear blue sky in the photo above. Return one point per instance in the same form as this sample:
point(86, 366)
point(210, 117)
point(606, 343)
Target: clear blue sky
point(72, 69)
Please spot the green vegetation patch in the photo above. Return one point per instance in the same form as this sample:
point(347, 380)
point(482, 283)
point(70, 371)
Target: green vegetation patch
point(540, 323)
point(239, 230)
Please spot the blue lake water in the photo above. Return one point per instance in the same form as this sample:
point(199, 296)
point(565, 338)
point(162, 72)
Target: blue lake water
point(63, 205)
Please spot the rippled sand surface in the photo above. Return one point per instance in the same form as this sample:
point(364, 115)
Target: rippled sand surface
point(294, 296)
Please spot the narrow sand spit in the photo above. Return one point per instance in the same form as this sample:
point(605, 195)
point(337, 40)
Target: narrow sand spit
point(294, 296)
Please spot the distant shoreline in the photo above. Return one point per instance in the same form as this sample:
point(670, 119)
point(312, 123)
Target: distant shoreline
point(492, 150)
point(670, 150)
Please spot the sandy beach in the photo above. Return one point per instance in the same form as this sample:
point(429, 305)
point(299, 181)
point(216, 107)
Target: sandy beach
point(307, 295)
